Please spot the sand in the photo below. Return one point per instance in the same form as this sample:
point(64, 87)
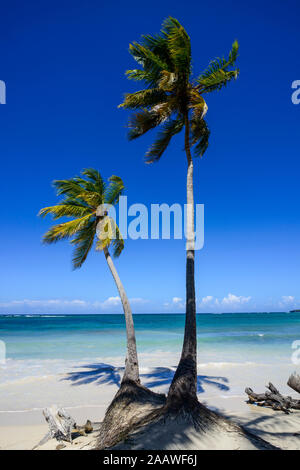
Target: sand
point(221, 387)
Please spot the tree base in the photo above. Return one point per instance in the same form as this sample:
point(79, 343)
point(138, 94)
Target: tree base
point(190, 426)
point(131, 404)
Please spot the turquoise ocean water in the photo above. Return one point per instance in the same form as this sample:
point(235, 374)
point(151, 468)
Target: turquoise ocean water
point(230, 337)
point(42, 347)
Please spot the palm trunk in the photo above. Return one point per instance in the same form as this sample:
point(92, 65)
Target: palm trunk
point(184, 385)
point(131, 362)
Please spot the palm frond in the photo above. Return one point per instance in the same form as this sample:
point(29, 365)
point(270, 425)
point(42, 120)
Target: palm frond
point(158, 44)
point(64, 210)
point(164, 109)
point(67, 229)
point(197, 104)
point(141, 122)
point(149, 78)
point(167, 82)
point(85, 184)
point(150, 61)
point(108, 233)
point(105, 232)
point(118, 243)
point(179, 45)
point(170, 128)
point(81, 196)
point(143, 98)
point(114, 190)
point(92, 198)
point(217, 74)
point(83, 243)
point(94, 176)
point(70, 187)
point(199, 135)
point(165, 61)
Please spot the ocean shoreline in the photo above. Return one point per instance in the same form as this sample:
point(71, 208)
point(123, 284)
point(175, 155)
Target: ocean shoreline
point(77, 363)
point(23, 428)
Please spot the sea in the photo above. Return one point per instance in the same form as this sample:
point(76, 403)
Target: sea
point(36, 345)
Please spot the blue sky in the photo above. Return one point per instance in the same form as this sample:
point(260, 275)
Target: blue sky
point(63, 64)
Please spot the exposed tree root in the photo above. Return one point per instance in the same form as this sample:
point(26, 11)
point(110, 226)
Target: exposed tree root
point(138, 418)
point(188, 426)
point(130, 405)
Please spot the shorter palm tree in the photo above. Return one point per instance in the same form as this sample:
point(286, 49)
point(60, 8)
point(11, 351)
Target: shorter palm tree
point(85, 200)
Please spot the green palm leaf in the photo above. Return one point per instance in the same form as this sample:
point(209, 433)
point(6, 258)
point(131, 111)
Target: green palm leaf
point(158, 44)
point(149, 78)
point(170, 128)
point(114, 190)
point(108, 232)
point(118, 243)
point(145, 98)
point(81, 196)
point(69, 187)
point(83, 243)
point(142, 122)
point(179, 45)
point(67, 229)
point(65, 210)
point(150, 61)
point(94, 176)
point(199, 135)
point(165, 61)
point(92, 198)
point(217, 74)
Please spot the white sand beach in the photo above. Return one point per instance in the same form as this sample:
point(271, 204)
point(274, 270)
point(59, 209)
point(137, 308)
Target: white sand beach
point(86, 392)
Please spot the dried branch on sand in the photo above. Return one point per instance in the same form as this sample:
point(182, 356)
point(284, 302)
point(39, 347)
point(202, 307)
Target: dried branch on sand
point(273, 398)
point(62, 425)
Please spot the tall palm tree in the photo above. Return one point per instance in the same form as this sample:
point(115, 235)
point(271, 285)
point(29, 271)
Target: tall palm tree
point(84, 199)
point(173, 101)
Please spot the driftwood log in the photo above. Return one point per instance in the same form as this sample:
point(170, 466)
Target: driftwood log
point(273, 398)
point(62, 425)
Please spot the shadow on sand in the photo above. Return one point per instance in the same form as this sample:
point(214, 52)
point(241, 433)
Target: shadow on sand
point(101, 373)
point(264, 427)
point(275, 427)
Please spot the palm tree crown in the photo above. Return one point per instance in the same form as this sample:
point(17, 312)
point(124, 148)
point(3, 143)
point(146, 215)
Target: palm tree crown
point(172, 94)
point(81, 197)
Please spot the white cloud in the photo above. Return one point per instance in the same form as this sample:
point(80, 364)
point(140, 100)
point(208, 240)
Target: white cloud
point(206, 300)
point(232, 299)
point(229, 303)
point(210, 303)
point(116, 302)
point(288, 299)
point(175, 303)
point(110, 302)
point(178, 303)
